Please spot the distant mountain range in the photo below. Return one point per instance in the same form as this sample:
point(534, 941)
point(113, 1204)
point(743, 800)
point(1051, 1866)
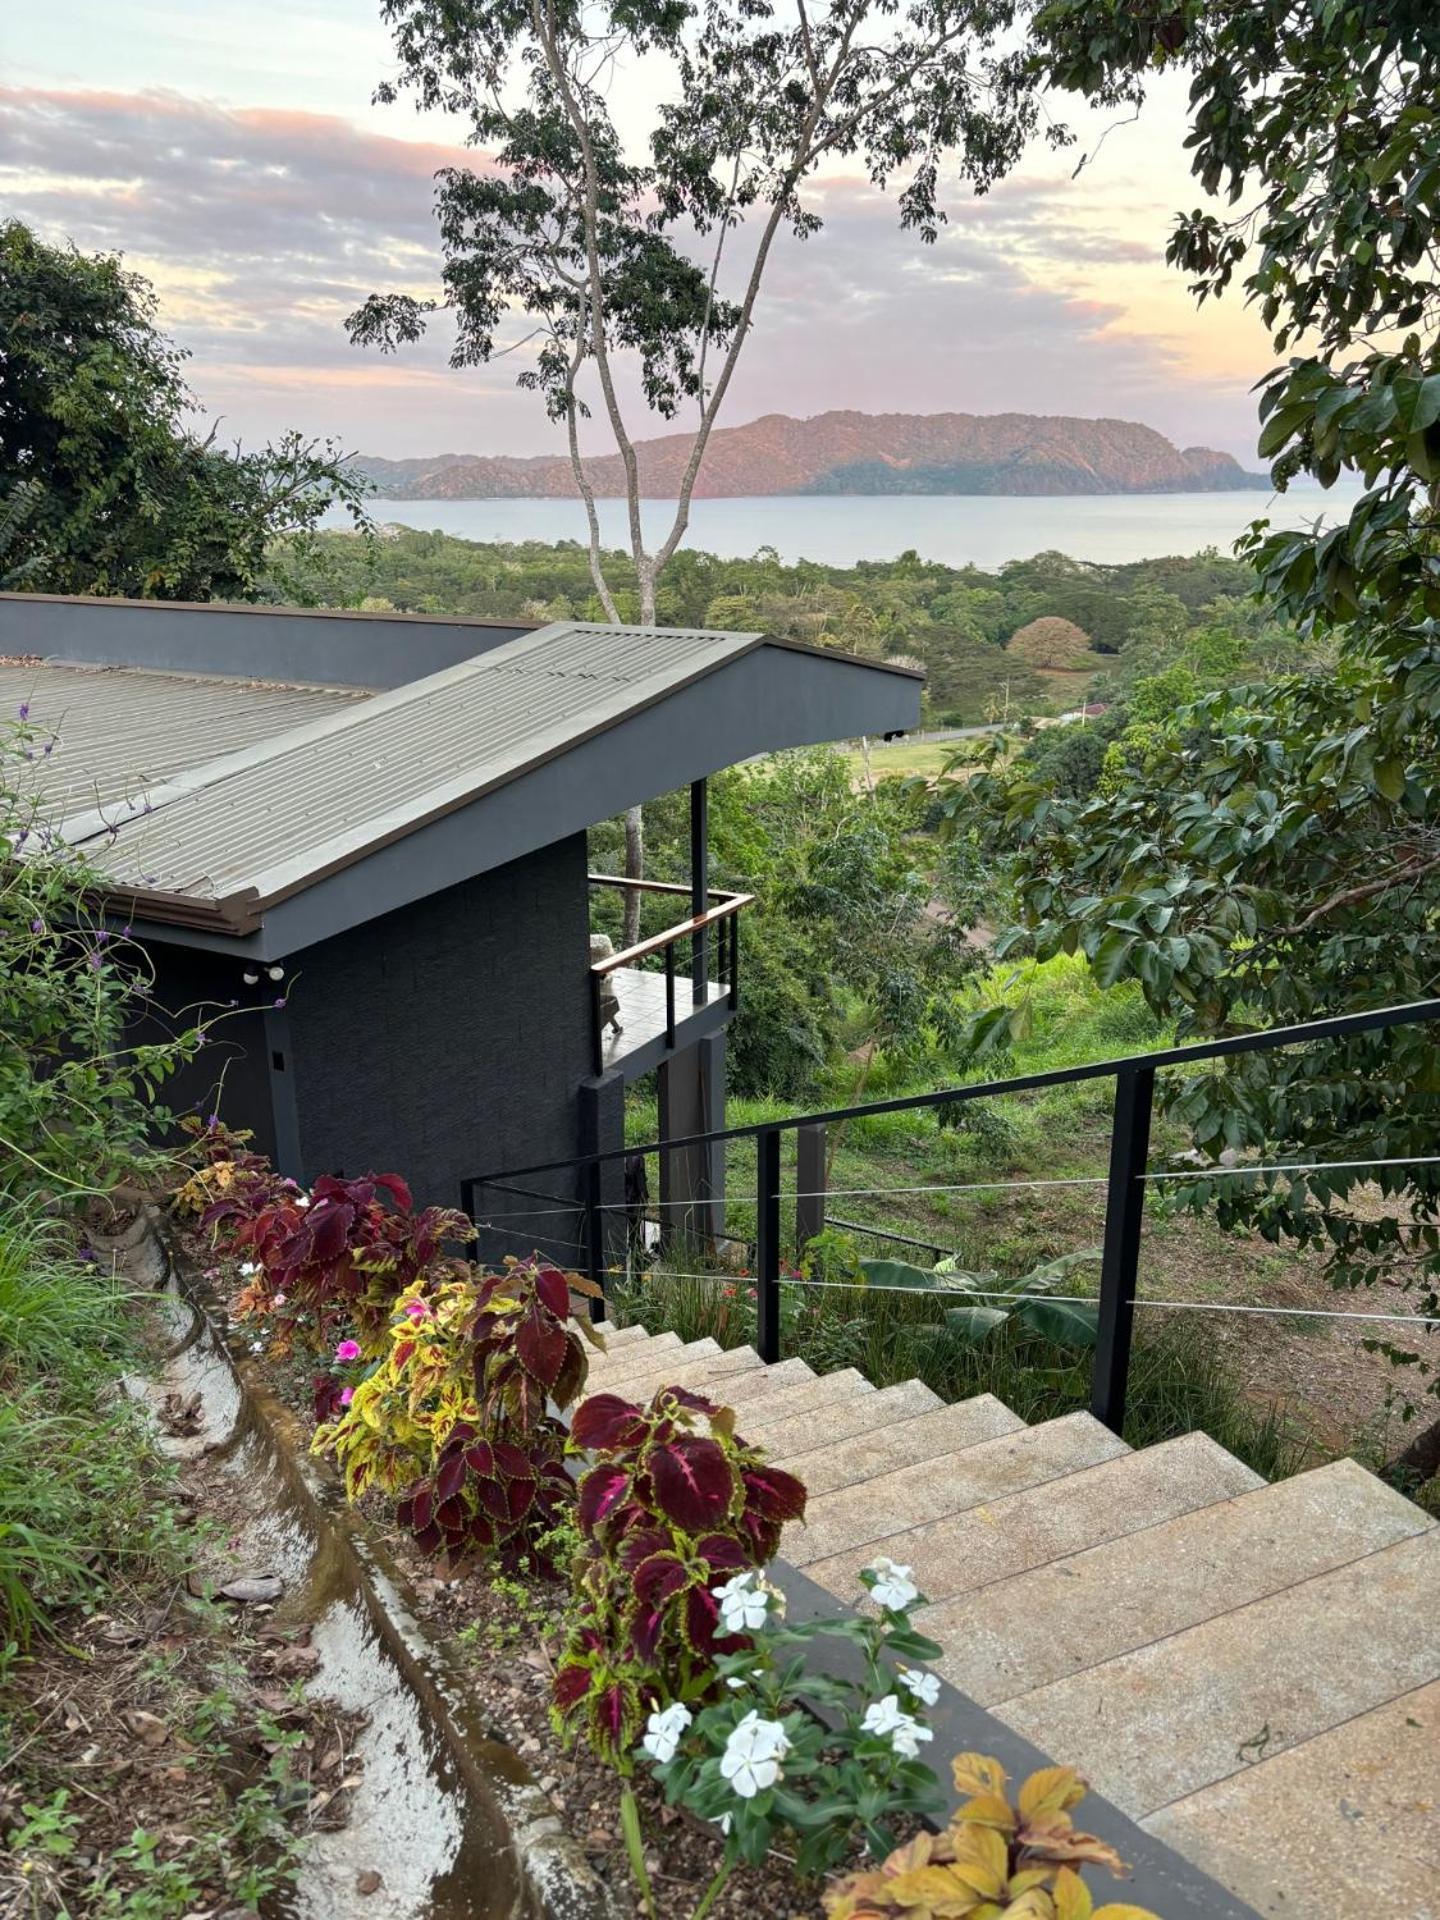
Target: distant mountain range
point(865, 453)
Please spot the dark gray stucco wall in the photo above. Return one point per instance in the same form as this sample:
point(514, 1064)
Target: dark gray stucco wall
point(269, 643)
point(229, 1075)
point(450, 1037)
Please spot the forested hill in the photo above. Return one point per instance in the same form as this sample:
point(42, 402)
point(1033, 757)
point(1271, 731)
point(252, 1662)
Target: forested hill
point(865, 453)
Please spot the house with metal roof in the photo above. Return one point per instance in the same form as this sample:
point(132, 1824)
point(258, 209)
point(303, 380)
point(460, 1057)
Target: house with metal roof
point(360, 839)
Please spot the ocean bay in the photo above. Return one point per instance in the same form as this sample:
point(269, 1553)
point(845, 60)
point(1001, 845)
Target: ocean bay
point(958, 530)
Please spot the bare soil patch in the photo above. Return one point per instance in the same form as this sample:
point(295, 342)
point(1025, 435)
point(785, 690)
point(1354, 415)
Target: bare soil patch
point(162, 1755)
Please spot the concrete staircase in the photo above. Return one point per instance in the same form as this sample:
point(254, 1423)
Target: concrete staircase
point(1251, 1672)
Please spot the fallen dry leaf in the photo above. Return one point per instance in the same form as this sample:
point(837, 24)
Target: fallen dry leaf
point(148, 1728)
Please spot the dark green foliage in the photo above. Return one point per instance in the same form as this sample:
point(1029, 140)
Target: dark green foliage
point(1067, 760)
point(1272, 853)
point(120, 497)
point(837, 951)
point(953, 621)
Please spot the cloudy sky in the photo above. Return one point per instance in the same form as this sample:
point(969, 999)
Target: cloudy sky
point(230, 150)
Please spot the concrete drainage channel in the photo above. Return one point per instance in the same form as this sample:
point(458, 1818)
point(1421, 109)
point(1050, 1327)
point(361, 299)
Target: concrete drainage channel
point(452, 1816)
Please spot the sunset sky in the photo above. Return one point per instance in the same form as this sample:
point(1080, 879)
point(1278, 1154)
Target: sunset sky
point(232, 153)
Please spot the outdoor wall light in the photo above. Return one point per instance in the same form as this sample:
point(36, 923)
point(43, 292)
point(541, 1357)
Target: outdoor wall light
point(275, 973)
point(250, 979)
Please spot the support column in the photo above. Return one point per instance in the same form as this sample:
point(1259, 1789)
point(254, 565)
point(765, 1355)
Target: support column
point(600, 1219)
point(700, 886)
point(284, 1109)
point(809, 1184)
point(692, 1100)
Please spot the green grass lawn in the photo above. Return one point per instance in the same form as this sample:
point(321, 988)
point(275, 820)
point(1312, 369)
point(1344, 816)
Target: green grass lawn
point(901, 757)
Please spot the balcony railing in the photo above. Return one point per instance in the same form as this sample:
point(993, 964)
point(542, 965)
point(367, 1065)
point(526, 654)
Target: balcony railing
point(1125, 1185)
point(723, 915)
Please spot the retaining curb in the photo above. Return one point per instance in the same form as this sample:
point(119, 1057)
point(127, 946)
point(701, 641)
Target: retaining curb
point(553, 1879)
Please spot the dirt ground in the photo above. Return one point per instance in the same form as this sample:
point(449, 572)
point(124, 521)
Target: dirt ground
point(162, 1755)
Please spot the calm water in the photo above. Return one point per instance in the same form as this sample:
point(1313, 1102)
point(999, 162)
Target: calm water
point(838, 531)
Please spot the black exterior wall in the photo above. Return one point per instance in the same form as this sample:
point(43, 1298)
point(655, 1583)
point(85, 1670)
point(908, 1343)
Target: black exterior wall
point(230, 1074)
point(450, 1035)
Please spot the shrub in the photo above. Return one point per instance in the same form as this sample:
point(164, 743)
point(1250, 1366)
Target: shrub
point(219, 1174)
point(1052, 642)
point(765, 1770)
point(334, 1262)
point(456, 1414)
point(993, 1856)
point(666, 1512)
point(76, 1097)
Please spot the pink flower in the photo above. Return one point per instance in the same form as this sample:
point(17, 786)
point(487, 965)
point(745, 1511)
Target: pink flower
point(417, 1310)
point(347, 1396)
point(348, 1350)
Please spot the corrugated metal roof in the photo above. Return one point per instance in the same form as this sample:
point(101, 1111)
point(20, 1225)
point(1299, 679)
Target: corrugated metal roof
point(118, 732)
point(257, 824)
point(205, 801)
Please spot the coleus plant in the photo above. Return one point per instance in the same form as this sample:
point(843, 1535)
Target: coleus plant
point(459, 1415)
point(994, 1858)
point(674, 1503)
point(220, 1166)
point(335, 1260)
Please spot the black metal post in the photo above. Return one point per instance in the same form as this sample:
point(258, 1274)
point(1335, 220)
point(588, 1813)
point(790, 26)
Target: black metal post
point(809, 1185)
point(597, 1024)
point(734, 960)
point(595, 1238)
point(700, 887)
point(767, 1243)
point(1120, 1263)
point(670, 995)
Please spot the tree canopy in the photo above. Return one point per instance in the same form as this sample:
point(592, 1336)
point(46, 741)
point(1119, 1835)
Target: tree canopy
point(1270, 852)
point(105, 487)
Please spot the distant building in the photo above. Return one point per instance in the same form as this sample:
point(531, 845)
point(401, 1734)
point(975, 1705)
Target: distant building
point(362, 837)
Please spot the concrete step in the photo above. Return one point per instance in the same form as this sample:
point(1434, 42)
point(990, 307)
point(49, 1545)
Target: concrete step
point(626, 1354)
point(1073, 1613)
point(1166, 1721)
point(858, 1412)
point(855, 1521)
point(665, 1348)
point(617, 1337)
point(1007, 1530)
point(833, 1463)
point(800, 1396)
point(726, 1366)
point(1371, 1787)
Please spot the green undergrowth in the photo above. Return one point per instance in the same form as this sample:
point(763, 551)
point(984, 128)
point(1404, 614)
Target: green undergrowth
point(1179, 1380)
point(78, 1478)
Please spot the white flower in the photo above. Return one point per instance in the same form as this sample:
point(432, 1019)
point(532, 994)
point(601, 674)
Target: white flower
point(924, 1686)
point(752, 1756)
point(721, 1820)
point(886, 1717)
point(892, 1587)
point(743, 1604)
point(279, 1300)
point(302, 1199)
point(663, 1731)
point(739, 1685)
point(247, 1267)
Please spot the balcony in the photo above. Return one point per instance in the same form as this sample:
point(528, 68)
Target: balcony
point(669, 990)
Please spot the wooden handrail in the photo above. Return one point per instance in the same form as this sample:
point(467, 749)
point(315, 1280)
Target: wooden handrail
point(730, 904)
point(657, 886)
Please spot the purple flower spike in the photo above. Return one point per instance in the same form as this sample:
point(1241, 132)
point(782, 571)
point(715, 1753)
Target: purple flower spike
point(37, 926)
point(281, 1001)
point(24, 709)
